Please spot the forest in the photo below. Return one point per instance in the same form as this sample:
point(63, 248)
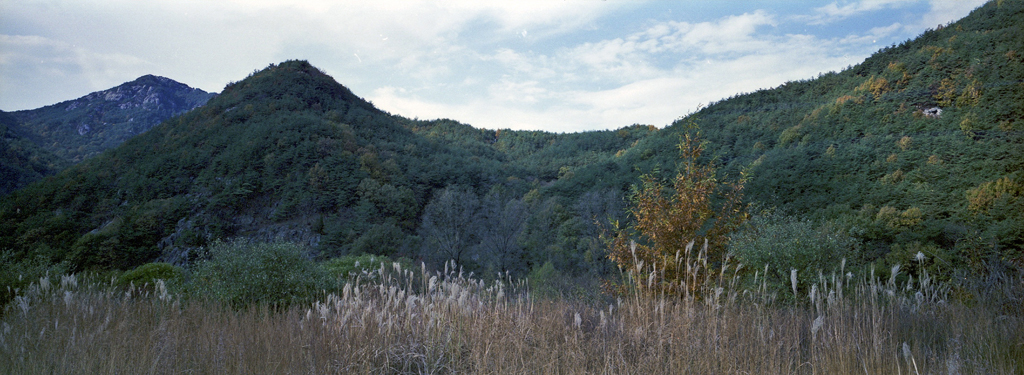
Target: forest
point(906, 167)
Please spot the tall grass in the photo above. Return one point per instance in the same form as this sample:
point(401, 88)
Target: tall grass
point(415, 321)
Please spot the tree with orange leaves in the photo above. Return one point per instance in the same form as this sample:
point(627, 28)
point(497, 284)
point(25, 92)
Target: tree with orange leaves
point(671, 215)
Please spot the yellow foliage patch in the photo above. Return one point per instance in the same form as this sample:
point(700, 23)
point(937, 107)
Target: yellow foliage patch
point(981, 198)
point(905, 143)
point(877, 86)
point(896, 219)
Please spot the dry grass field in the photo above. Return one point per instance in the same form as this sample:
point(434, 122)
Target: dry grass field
point(445, 322)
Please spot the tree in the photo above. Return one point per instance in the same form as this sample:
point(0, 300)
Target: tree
point(599, 209)
point(449, 229)
point(503, 222)
point(672, 215)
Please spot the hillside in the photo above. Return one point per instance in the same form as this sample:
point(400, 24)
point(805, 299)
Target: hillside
point(915, 150)
point(82, 128)
point(21, 160)
point(918, 148)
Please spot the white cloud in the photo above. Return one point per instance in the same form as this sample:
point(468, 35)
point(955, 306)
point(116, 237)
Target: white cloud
point(946, 11)
point(873, 35)
point(555, 65)
point(729, 35)
point(644, 55)
point(941, 12)
point(51, 67)
point(834, 11)
point(657, 97)
point(207, 44)
point(617, 82)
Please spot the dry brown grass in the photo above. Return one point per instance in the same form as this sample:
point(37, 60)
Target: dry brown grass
point(447, 323)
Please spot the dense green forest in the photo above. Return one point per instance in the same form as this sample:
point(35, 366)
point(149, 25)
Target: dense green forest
point(21, 160)
point(917, 150)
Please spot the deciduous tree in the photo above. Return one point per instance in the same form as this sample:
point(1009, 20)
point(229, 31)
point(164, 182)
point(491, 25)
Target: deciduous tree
point(694, 206)
point(449, 225)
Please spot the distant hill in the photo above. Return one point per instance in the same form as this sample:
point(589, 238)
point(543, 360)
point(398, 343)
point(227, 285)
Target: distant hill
point(82, 128)
point(915, 150)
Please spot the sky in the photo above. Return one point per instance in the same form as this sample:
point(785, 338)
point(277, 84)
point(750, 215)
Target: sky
point(553, 65)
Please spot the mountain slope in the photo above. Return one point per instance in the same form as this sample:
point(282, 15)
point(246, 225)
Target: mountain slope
point(21, 160)
point(79, 129)
point(918, 148)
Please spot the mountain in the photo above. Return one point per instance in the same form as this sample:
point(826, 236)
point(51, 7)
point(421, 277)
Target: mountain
point(914, 151)
point(287, 153)
point(82, 128)
point(21, 160)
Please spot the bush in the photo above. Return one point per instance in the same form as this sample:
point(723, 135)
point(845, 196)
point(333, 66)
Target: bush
point(244, 273)
point(368, 265)
point(16, 274)
point(785, 243)
point(384, 239)
point(149, 273)
point(547, 283)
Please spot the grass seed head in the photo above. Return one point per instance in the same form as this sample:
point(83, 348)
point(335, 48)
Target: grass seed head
point(44, 283)
point(792, 279)
point(892, 276)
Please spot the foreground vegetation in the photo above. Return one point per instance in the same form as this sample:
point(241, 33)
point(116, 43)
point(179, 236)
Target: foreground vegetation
point(392, 319)
point(300, 229)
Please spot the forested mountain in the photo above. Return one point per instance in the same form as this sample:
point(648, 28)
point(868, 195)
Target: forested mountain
point(288, 153)
point(915, 150)
point(82, 128)
point(21, 160)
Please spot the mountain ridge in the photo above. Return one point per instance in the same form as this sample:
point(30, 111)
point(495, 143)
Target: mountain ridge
point(81, 128)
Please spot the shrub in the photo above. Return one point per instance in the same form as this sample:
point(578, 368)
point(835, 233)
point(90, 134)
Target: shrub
point(784, 243)
point(385, 239)
point(350, 265)
point(245, 273)
point(149, 273)
point(16, 274)
point(546, 282)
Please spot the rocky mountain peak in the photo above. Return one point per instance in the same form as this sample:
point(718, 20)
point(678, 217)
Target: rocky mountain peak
point(80, 128)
